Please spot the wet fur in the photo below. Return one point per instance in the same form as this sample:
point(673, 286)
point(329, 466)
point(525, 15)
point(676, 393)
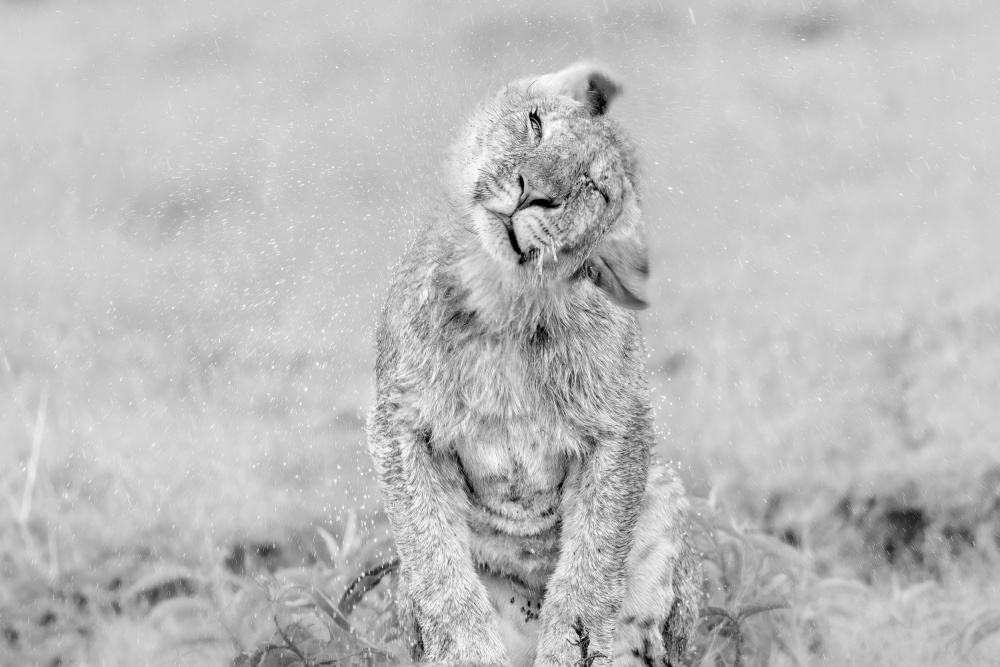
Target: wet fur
point(511, 431)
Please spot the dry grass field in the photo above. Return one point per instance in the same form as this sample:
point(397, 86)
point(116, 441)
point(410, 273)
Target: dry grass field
point(200, 204)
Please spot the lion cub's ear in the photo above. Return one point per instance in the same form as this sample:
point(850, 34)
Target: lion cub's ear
point(589, 84)
point(619, 266)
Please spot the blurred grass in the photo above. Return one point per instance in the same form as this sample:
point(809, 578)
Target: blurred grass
point(201, 203)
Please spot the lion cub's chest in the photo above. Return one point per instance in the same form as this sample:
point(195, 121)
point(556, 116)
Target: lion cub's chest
point(511, 434)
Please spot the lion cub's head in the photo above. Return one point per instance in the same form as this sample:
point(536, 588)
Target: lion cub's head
point(549, 184)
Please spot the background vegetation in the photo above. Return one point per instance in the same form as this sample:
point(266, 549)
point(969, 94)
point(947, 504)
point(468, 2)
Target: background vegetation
point(201, 202)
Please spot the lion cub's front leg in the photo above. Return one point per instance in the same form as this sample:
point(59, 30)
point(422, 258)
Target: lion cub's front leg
point(600, 509)
point(451, 616)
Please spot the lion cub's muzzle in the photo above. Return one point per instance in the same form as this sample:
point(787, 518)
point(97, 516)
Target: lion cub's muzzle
point(527, 198)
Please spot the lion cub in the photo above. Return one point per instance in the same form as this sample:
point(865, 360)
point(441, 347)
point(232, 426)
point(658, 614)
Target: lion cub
point(511, 431)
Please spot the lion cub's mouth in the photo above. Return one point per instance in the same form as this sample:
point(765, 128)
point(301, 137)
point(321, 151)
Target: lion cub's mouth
point(508, 225)
point(523, 256)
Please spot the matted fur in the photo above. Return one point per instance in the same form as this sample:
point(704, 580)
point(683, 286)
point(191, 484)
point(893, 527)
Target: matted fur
point(511, 430)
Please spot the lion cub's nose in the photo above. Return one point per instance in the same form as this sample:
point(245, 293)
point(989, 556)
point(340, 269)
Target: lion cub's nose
point(532, 197)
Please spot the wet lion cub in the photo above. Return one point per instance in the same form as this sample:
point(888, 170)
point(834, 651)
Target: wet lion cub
point(511, 430)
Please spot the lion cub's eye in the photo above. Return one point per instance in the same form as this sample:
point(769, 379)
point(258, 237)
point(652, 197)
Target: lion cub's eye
point(536, 125)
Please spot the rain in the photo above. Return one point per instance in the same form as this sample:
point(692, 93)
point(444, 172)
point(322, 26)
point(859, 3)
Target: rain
point(203, 205)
